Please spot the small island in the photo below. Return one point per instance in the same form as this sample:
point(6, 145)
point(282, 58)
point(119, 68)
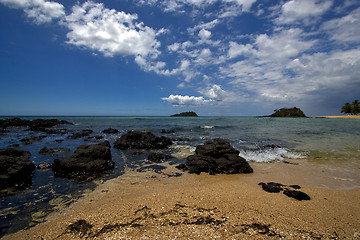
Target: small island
point(185, 114)
point(288, 112)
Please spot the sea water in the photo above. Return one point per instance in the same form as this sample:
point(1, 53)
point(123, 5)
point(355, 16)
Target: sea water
point(258, 139)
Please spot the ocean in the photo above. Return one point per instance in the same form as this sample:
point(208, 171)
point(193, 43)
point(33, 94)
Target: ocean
point(260, 140)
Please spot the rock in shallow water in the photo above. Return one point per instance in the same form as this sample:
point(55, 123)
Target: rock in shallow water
point(141, 140)
point(86, 160)
point(216, 156)
point(16, 169)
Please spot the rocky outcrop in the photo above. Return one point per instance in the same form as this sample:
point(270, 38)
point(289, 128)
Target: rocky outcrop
point(288, 112)
point(110, 131)
point(216, 156)
point(16, 169)
point(34, 125)
point(185, 114)
point(87, 160)
point(141, 140)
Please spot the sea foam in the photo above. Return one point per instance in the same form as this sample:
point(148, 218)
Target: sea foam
point(269, 155)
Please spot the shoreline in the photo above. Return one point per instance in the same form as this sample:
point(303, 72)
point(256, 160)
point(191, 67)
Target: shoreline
point(149, 205)
point(341, 116)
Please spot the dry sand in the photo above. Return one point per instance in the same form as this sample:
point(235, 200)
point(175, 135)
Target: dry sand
point(154, 206)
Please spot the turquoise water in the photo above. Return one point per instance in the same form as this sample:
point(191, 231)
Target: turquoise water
point(258, 139)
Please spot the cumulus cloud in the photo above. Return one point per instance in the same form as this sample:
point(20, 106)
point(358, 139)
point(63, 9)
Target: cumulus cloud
point(186, 100)
point(110, 32)
point(299, 10)
point(40, 11)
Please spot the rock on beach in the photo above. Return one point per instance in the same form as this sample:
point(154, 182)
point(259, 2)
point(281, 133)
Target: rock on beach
point(16, 169)
point(86, 160)
point(216, 156)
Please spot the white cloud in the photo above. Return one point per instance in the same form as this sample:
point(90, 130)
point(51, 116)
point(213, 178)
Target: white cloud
point(239, 49)
point(186, 100)
point(214, 92)
point(40, 11)
point(345, 29)
point(110, 32)
point(300, 10)
point(208, 25)
point(204, 57)
point(204, 34)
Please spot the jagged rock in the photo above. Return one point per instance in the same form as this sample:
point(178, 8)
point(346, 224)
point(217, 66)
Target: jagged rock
point(86, 160)
point(217, 156)
point(110, 131)
point(141, 140)
point(16, 169)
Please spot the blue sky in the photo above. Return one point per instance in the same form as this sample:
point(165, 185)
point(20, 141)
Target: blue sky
point(160, 57)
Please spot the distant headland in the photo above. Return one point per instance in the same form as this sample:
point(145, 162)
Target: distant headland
point(288, 112)
point(185, 114)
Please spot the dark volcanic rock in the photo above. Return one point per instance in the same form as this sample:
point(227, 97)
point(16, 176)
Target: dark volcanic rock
point(87, 160)
point(217, 156)
point(83, 133)
point(157, 157)
point(16, 169)
point(298, 195)
point(272, 187)
point(30, 140)
point(110, 131)
point(141, 140)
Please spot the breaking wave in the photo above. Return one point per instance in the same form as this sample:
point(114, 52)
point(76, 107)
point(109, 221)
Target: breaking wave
point(269, 155)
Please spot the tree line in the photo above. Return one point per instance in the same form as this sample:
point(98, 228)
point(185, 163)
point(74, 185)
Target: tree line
point(351, 108)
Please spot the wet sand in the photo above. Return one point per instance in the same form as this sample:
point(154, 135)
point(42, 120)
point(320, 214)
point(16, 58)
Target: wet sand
point(150, 205)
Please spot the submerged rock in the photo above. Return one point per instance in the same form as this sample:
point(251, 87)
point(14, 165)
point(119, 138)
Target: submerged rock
point(141, 140)
point(86, 160)
point(216, 156)
point(110, 131)
point(46, 150)
point(158, 157)
point(16, 169)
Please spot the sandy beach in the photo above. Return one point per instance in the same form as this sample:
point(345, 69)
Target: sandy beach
point(341, 116)
point(152, 205)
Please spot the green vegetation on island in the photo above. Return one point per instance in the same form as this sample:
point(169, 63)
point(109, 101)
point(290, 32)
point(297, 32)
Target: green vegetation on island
point(185, 114)
point(288, 112)
point(353, 108)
